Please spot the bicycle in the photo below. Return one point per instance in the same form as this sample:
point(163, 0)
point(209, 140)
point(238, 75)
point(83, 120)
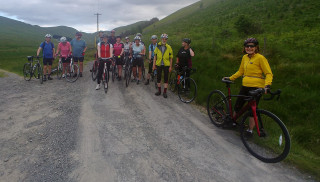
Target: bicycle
point(128, 71)
point(186, 86)
point(105, 75)
point(94, 70)
point(35, 70)
point(72, 71)
point(270, 140)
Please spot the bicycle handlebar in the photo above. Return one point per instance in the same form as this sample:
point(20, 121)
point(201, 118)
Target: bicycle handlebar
point(273, 94)
point(105, 59)
point(227, 81)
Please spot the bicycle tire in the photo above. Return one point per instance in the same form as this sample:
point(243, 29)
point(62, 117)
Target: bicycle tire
point(27, 70)
point(94, 71)
point(59, 70)
point(273, 144)
point(105, 80)
point(187, 90)
point(72, 73)
point(217, 108)
point(173, 81)
point(113, 73)
point(40, 73)
point(128, 77)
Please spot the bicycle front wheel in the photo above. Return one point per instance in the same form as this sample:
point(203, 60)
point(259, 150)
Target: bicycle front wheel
point(217, 108)
point(59, 70)
point(105, 80)
point(187, 90)
point(172, 81)
point(27, 71)
point(128, 75)
point(273, 144)
point(94, 70)
point(72, 73)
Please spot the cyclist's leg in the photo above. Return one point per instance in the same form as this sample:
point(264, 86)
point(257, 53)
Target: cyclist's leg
point(81, 64)
point(140, 67)
point(100, 72)
point(166, 78)
point(159, 75)
point(134, 68)
point(75, 61)
point(44, 66)
point(50, 65)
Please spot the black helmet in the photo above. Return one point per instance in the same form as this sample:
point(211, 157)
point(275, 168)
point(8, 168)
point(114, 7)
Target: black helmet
point(251, 40)
point(187, 40)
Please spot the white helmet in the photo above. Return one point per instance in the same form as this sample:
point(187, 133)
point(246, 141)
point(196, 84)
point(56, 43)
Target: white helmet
point(154, 37)
point(164, 36)
point(48, 36)
point(137, 38)
point(139, 34)
point(63, 39)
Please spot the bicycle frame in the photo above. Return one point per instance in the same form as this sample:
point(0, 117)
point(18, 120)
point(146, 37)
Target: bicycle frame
point(251, 104)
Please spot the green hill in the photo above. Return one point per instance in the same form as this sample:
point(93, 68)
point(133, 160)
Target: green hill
point(288, 31)
point(135, 27)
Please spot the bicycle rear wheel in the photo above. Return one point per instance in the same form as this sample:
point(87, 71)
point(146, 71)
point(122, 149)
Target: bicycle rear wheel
point(72, 73)
point(27, 70)
point(173, 81)
point(187, 90)
point(128, 75)
point(94, 70)
point(273, 144)
point(59, 70)
point(105, 81)
point(217, 108)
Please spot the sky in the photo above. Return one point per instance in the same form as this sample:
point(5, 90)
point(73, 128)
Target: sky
point(79, 14)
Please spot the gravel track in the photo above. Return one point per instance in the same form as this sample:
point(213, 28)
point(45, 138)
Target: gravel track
point(75, 133)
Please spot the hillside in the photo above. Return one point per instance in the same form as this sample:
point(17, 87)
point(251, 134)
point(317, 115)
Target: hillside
point(288, 32)
point(135, 27)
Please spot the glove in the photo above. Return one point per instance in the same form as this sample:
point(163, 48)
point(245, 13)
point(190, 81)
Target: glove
point(83, 53)
point(267, 88)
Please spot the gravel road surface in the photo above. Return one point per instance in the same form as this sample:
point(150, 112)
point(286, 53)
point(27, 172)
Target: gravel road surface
point(61, 131)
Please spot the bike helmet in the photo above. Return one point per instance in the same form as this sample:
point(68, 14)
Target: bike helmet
point(118, 36)
point(137, 38)
point(154, 37)
point(63, 39)
point(48, 36)
point(187, 40)
point(104, 36)
point(127, 38)
point(251, 40)
point(113, 31)
point(78, 34)
point(165, 36)
point(139, 34)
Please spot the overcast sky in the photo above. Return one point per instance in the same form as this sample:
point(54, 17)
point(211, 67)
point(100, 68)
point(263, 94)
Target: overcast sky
point(79, 14)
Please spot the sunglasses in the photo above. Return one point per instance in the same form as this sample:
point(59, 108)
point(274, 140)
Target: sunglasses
point(251, 46)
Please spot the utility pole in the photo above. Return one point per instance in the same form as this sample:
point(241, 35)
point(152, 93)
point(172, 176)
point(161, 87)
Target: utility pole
point(97, 14)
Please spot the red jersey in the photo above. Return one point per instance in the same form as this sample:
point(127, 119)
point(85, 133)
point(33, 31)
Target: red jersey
point(105, 49)
point(117, 48)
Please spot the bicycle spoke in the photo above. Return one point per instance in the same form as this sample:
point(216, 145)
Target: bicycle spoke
point(187, 90)
point(217, 107)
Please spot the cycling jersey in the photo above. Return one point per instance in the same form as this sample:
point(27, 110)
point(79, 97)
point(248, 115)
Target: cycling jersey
point(164, 54)
point(78, 47)
point(127, 47)
point(252, 69)
point(137, 49)
point(117, 48)
point(105, 49)
point(64, 49)
point(47, 49)
point(152, 47)
point(184, 57)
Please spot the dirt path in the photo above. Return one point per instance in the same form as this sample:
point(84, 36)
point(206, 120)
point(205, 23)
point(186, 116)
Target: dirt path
point(76, 133)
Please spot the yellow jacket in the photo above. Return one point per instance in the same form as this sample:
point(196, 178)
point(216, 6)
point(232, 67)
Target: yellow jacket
point(168, 54)
point(252, 70)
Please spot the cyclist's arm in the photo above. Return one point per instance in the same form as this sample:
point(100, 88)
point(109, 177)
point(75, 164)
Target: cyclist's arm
point(130, 50)
point(122, 50)
point(53, 52)
point(154, 61)
point(177, 62)
point(111, 51)
point(38, 52)
point(85, 49)
point(150, 54)
point(99, 51)
point(239, 72)
point(267, 71)
point(191, 52)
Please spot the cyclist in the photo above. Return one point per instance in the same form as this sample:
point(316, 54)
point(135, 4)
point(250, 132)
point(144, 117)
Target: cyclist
point(99, 37)
point(64, 48)
point(79, 48)
point(184, 57)
point(253, 66)
point(112, 39)
point(105, 50)
point(137, 53)
point(163, 61)
point(48, 55)
point(127, 45)
point(152, 47)
point(118, 49)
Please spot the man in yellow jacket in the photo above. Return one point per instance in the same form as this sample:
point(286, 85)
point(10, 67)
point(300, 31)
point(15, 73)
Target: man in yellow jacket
point(163, 61)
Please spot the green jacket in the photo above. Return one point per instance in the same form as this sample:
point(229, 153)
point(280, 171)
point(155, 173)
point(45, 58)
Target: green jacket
point(168, 54)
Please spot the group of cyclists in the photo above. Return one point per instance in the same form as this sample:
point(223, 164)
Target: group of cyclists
point(254, 67)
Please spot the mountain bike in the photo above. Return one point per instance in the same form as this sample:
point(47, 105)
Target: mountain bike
point(186, 86)
point(105, 75)
point(269, 140)
point(113, 69)
point(30, 69)
point(72, 71)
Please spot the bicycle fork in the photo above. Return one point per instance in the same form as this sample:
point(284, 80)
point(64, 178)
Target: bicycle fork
point(254, 113)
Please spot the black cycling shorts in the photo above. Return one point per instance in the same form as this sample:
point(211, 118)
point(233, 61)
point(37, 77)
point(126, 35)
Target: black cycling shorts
point(47, 61)
point(78, 59)
point(65, 60)
point(137, 62)
point(166, 73)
